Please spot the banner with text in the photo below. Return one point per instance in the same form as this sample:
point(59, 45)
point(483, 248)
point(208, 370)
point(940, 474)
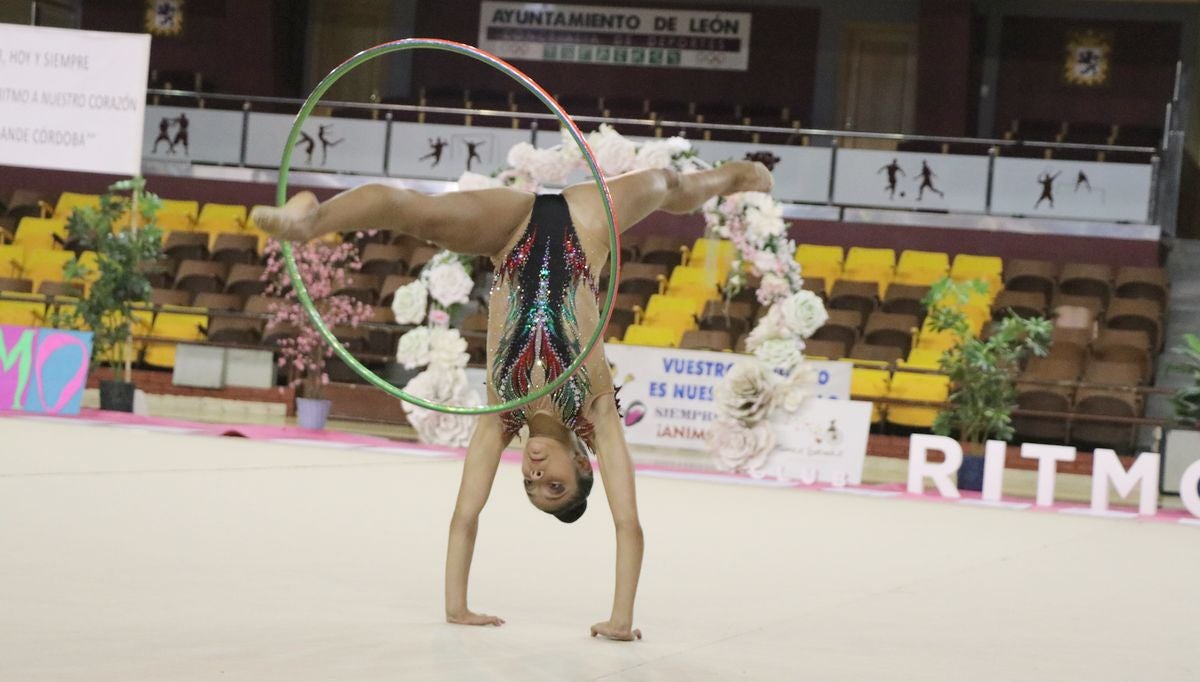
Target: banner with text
point(72, 100)
point(616, 36)
point(1072, 189)
point(667, 393)
point(444, 152)
point(188, 135)
point(906, 180)
point(346, 145)
point(43, 370)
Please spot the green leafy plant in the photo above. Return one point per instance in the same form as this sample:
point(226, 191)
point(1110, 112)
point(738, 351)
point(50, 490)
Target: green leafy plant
point(982, 371)
point(118, 273)
point(1187, 399)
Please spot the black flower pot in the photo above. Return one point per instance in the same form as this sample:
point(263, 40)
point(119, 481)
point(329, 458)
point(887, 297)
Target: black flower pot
point(116, 396)
point(970, 476)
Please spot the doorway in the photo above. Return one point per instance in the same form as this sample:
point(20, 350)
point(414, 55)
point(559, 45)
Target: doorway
point(878, 82)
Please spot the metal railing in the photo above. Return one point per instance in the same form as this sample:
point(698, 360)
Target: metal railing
point(248, 101)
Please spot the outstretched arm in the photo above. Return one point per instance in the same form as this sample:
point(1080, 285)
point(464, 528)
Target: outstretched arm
point(638, 194)
point(479, 470)
point(479, 222)
point(616, 468)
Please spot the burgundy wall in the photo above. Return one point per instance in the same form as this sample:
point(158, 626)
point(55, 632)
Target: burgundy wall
point(783, 52)
point(1141, 73)
point(233, 43)
point(944, 61)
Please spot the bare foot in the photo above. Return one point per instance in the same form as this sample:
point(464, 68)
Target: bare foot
point(294, 222)
point(754, 177)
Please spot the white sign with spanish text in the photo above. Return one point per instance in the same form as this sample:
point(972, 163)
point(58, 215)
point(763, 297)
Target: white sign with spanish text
point(667, 393)
point(72, 100)
point(616, 36)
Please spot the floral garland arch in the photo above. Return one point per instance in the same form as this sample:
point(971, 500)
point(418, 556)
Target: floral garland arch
point(774, 377)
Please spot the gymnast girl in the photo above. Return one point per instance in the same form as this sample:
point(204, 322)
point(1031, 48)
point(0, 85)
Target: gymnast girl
point(548, 250)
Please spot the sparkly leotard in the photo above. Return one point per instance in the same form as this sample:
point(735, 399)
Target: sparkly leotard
point(540, 336)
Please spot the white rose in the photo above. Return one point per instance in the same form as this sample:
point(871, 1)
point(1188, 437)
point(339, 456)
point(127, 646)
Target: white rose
point(772, 288)
point(550, 166)
point(447, 349)
point(768, 328)
point(653, 155)
point(413, 348)
point(745, 394)
point(613, 153)
point(782, 354)
point(738, 448)
point(520, 154)
point(799, 386)
point(410, 302)
point(765, 261)
point(570, 148)
point(471, 181)
point(448, 387)
point(802, 313)
point(448, 284)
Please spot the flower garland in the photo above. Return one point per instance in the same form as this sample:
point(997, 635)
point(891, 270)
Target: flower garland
point(775, 376)
point(530, 168)
point(445, 284)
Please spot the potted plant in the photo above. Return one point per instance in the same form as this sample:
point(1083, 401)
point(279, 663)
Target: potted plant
point(982, 371)
point(1186, 400)
point(303, 353)
point(118, 282)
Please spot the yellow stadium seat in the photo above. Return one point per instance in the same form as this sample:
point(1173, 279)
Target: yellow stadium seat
point(69, 201)
point(934, 388)
point(695, 282)
point(922, 358)
point(173, 222)
point(676, 312)
point(647, 335)
point(12, 260)
point(177, 327)
point(28, 311)
point(233, 213)
point(870, 384)
point(820, 261)
point(39, 233)
point(45, 265)
point(987, 268)
point(91, 262)
point(713, 253)
point(870, 265)
point(921, 268)
point(185, 207)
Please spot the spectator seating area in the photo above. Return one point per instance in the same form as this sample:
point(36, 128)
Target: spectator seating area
point(661, 112)
point(1108, 321)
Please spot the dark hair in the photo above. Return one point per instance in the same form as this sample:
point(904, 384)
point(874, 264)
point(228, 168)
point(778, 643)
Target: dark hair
point(577, 505)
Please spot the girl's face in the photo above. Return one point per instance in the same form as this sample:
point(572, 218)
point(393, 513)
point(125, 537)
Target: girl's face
point(550, 469)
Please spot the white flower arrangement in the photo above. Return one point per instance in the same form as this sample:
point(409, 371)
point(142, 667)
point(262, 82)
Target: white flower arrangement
point(740, 439)
point(445, 284)
point(531, 167)
point(754, 222)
